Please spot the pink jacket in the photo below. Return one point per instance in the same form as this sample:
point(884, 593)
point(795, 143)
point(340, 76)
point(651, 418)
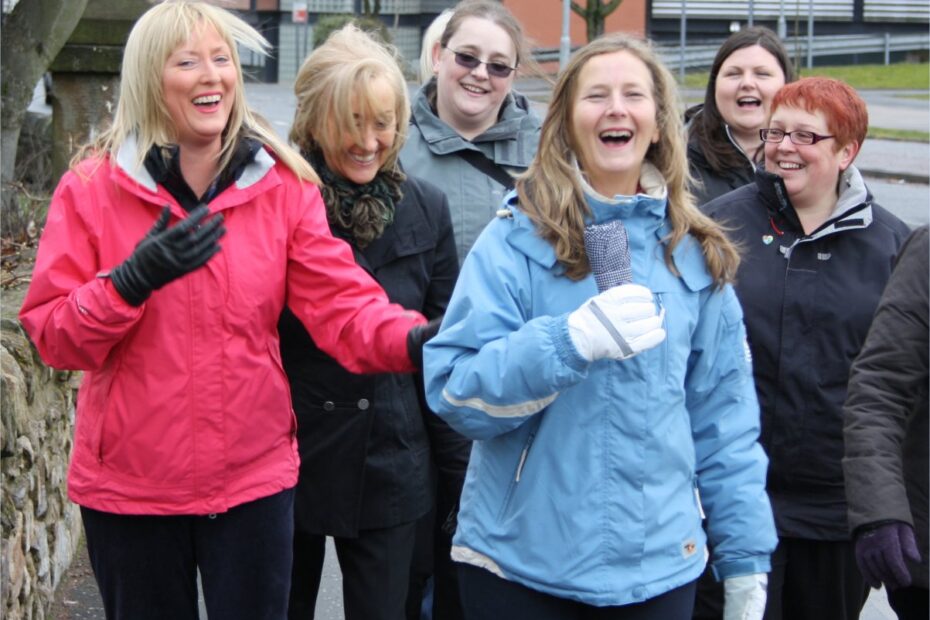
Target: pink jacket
point(184, 408)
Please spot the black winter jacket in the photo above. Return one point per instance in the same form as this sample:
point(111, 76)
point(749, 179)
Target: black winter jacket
point(363, 439)
point(807, 301)
point(710, 183)
point(887, 408)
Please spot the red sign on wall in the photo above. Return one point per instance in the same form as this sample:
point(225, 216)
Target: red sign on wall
point(299, 13)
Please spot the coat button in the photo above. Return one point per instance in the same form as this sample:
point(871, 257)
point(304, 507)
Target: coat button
point(329, 405)
point(363, 404)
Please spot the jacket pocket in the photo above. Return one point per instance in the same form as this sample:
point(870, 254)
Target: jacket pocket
point(518, 474)
point(99, 404)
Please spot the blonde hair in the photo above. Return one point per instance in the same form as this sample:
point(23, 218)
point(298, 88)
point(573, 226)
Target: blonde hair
point(141, 109)
point(430, 39)
point(550, 190)
point(335, 74)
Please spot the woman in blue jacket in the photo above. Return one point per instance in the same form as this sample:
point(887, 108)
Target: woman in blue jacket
point(603, 421)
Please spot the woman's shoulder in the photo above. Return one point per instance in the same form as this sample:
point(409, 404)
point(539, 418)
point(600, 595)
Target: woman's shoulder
point(423, 190)
point(740, 201)
point(427, 199)
point(94, 167)
point(890, 222)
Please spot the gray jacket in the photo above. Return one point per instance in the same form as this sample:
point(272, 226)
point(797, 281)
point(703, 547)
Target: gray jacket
point(432, 152)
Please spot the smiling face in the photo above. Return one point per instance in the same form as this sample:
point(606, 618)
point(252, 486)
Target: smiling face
point(469, 100)
point(614, 121)
point(359, 161)
point(810, 171)
point(198, 84)
point(746, 83)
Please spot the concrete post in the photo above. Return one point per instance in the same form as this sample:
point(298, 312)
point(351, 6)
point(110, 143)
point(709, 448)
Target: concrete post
point(85, 76)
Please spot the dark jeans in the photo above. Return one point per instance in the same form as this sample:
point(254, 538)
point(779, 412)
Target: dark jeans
point(375, 572)
point(910, 603)
point(815, 580)
point(485, 596)
point(146, 566)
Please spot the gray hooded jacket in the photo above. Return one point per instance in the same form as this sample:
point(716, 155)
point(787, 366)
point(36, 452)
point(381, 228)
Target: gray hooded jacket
point(433, 152)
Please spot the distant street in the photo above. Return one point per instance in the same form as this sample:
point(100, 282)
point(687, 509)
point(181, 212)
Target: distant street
point(907, 199)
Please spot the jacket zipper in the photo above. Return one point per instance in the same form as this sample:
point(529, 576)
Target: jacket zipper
point(526, 450)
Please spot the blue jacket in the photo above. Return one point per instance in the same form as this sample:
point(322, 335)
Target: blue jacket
point(582, 482)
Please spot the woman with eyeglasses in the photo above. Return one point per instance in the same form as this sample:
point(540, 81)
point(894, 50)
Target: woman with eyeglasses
point(471, 134)
point(818, 252)
point(723, 131)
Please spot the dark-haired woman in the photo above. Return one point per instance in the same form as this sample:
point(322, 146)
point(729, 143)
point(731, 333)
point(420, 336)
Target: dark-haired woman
point(723, 132)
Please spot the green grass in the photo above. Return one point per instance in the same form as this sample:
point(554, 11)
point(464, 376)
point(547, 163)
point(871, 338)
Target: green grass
point(908, 135)
point(899, 76)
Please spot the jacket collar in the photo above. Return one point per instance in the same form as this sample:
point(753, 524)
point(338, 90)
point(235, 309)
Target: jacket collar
point(853, 206)
point(649, 205)
point(515, 122)
point(128, 155)
point(651, 202)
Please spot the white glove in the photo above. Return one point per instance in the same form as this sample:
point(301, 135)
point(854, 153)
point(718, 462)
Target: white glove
point(617, 324)
point(744, 597)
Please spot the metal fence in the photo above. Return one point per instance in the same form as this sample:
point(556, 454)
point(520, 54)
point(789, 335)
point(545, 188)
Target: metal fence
point(702, 56)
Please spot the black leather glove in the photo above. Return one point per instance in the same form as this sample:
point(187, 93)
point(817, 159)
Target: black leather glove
point(417, 337)
point(165, 254)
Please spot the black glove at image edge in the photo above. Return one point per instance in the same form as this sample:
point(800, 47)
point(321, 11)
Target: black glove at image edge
point(166, 254)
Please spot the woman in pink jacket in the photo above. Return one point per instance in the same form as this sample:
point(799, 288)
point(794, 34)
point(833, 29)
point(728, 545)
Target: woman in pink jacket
point(164, 265)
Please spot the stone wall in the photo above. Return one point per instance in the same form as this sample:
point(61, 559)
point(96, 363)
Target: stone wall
point(41, 528)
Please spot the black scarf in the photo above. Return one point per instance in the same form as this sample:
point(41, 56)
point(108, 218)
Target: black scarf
point(358, 213)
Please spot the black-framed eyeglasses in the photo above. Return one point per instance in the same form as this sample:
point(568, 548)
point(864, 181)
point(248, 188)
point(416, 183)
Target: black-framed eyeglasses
point(798, 137)
point(471, 62)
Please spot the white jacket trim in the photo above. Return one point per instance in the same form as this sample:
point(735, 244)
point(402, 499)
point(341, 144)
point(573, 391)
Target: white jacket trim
point(501, 411)
point(467, 556)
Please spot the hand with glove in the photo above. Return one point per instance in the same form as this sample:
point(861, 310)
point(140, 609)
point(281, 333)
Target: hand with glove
point(166, 254)
point(617, 324)
point(417, 337)
point(744, 597)
point(881, 551)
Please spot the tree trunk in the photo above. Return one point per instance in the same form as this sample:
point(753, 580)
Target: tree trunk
point(32, 35)
point(595, 13)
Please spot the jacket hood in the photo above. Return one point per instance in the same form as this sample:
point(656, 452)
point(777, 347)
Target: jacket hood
point(515, 121)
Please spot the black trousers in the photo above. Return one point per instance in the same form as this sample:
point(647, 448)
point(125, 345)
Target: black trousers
point(485, 596)
point(911, 603)
point(815, 580)
point(375, 572)
point(146, 566)
point(432, 560)
point(708, 599)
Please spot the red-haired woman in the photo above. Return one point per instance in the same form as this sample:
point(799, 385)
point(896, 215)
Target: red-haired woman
point(818, 252)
